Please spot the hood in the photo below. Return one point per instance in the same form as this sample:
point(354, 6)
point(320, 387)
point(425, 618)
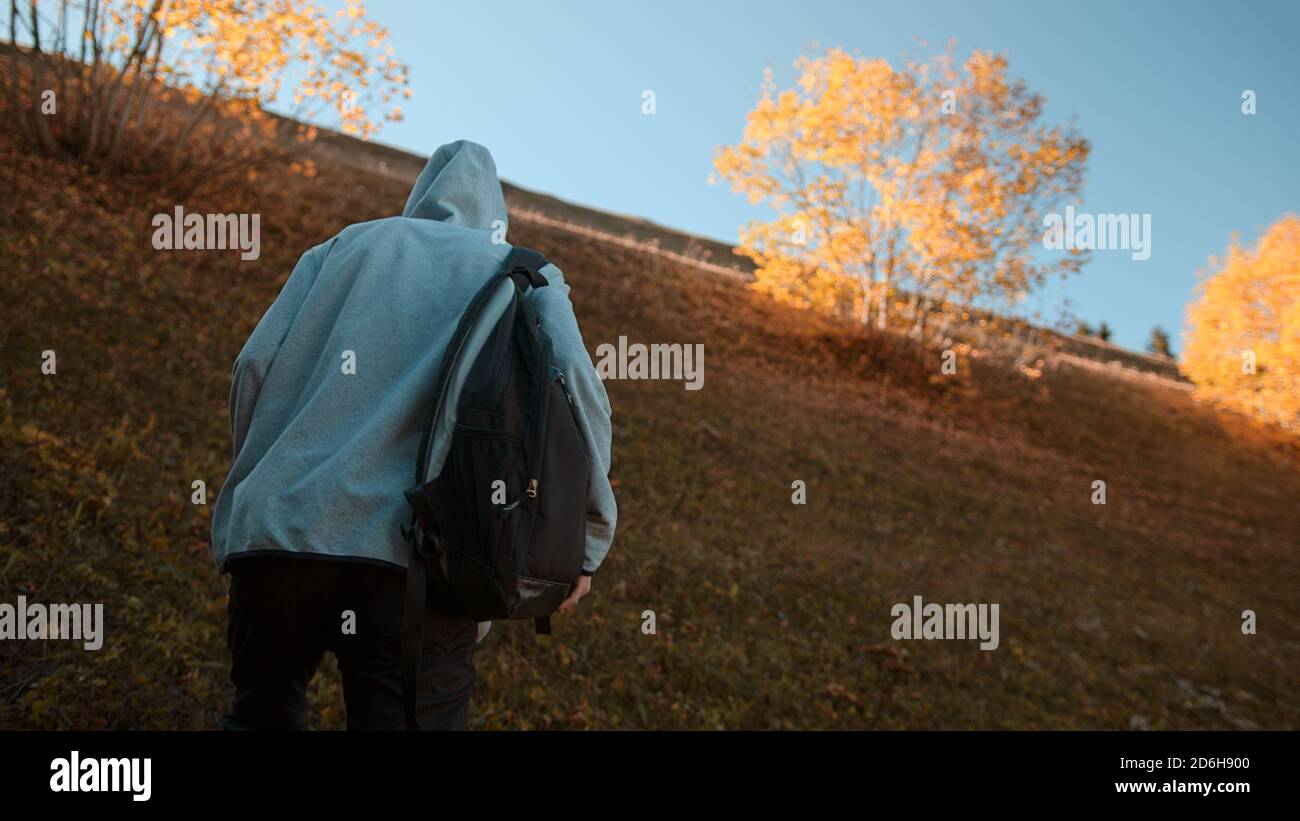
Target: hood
point(459, 186)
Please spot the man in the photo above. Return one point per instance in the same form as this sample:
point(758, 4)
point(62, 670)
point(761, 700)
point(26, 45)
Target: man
point(330, 396)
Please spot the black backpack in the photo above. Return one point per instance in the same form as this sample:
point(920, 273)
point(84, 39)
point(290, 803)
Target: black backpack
point(499, 532)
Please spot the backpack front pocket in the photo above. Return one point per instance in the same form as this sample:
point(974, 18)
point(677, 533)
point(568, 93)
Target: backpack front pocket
point(487, 482)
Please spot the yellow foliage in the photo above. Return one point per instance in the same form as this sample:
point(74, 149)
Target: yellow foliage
point(242, 51)
point(925, 177)
point(1243, 340)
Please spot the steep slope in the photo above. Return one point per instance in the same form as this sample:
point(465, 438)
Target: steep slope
point(973, 488)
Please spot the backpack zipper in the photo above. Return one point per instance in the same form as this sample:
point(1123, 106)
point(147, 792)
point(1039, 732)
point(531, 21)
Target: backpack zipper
point(557, 375)
point(534, 481)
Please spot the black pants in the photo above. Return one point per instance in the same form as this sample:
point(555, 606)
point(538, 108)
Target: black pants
point(285, 612)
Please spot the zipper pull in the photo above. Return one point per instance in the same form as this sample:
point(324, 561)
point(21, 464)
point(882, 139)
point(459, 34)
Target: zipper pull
point(532, 489)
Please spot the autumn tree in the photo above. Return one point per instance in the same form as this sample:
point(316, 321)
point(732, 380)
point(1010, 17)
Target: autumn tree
point(1242, 344)
point(1159, 344)
point(914, 188)
point(182, 86)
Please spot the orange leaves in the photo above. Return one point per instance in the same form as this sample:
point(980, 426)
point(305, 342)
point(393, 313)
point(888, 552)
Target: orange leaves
point(246, 49)
point(226, 61)
point(925, 177)
point(1243, 341)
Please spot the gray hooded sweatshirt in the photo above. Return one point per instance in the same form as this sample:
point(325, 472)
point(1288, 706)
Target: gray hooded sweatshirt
point(331, 392)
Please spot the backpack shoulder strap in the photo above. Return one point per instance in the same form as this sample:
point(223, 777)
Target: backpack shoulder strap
point(524, 266)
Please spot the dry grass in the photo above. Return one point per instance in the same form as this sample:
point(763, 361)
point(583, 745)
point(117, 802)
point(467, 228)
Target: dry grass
point(971, 488)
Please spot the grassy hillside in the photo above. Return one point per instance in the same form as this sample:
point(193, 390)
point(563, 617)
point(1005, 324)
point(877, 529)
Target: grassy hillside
point(974, 488)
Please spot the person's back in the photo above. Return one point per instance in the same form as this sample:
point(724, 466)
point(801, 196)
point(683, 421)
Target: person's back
point(330, 396)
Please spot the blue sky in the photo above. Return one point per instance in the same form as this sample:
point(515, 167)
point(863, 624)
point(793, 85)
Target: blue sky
point(554, 90)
